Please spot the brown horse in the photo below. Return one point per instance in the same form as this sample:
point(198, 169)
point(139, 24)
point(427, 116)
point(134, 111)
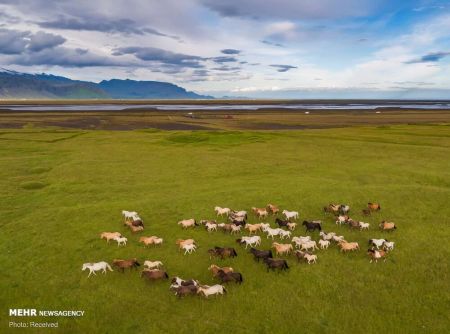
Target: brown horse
point(374, 206)
point(376, 255)
point(222, 252)
point(273, 209)
point(124, 264)
point(229, 277)
point(185, 290)
point(154, 274)
point(387, 226)
point(215, 269)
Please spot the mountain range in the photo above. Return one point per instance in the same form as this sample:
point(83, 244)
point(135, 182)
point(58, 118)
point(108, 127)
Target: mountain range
point(17, 85)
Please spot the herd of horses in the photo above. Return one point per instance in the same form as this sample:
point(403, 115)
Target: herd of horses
point(301, 247)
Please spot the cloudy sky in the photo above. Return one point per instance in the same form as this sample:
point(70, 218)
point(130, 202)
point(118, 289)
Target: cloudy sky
point(254, 48)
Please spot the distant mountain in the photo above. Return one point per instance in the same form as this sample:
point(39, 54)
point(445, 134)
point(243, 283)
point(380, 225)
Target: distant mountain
point(46, 86)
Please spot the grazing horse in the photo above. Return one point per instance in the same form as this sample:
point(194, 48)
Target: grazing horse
point(282, 223)
point(188, 223)
point(154, 274)
point(110, 236)
point(376, 255)
point(230, 277)
point(312, 225)
point(387, 226)
point(215, 269)
point(124, 264)
point(260, 254)
point(93, 267)
point(216, 289)
point(273, 209)
point(282, 248)
point(276, 264)
point(374, 206)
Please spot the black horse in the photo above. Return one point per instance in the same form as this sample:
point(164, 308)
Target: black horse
point(312, 226)
point(239, 222)
point(261, 254)
point(281, 223)
point(276, 264)
point(229, 277)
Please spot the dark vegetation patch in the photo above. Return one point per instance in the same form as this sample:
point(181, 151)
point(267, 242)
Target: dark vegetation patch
point(219, 138)
point(39, 170)
point(32, 185)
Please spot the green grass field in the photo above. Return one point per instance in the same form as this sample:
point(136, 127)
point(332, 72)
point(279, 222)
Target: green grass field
point(60, 189)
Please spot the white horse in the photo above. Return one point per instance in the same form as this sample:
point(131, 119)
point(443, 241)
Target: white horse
point(272, 232)
point(130, 214)
point(211, 227)
point(363, 226)
point(121, 241)
point(300, 240)
point(285, 234)
point(310, 258)
point(153, 264)
point(290, 214)
point(93, 267)
point(324, 244)
point(338, 238)
point(377, 242)
point(251, 241)
point(222, 211)
point(189, 248)
point(211, 290)
point(327, 236)
point(341, 220)
point(388, 245)
point(235, 228)
point(309, 245)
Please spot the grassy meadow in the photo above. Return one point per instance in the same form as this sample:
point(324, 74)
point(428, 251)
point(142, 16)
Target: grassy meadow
point(59, 189)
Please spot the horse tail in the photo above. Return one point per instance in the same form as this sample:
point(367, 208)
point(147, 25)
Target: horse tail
point(224, 290)
point(270, 254)
point(165, 275)
point(109, 267)
point(286, 265)
point(241, 279)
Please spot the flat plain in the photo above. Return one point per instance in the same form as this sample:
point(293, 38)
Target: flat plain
point(60, 188)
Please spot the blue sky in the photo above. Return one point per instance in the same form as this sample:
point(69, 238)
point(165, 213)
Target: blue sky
point(252, 48)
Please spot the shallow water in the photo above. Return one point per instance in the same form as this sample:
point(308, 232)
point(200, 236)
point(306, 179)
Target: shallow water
point(188, 107)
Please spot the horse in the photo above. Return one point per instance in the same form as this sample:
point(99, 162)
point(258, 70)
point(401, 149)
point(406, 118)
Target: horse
point(276, 264)
point(211, 227)
point(124, 264)
point(222, 252)
point(300, 240)
point(188, 223)
point(153, 264)
point(284, 234)
point(222, 211)
point(110, 236)
point(134, 222)
point(130, 214)
point(290, 214)
point(348, 246)
point(310, 258)
point(215, 269)
point(282, 223)
point(312, 225)
point(185, 290)
point(363, 226)
point(121, 241)
point(327, 236)
point(224, 227)
point(250, 241)
point(271, 232)
point(181, 242)
point(154, 274)
point(331, 208)
point(147, 240)
point(216, 289)
point(300, 255)
point(324, 244)
point(93, 267)
point(282, 248)
point(342, 219)
point(376, 255)
point(374, 206)
point(388, 245)
point(235, 228)
point(378, 243)
point(260, 254)
point(260, 212)
point(387, 226)
point(229, 277)
point(309, 245)
point(238, 222)
point(253, 228)
point(353, 223)
point(291, 226)
point(272, 209)
point(189, 248)
point(177, 281)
